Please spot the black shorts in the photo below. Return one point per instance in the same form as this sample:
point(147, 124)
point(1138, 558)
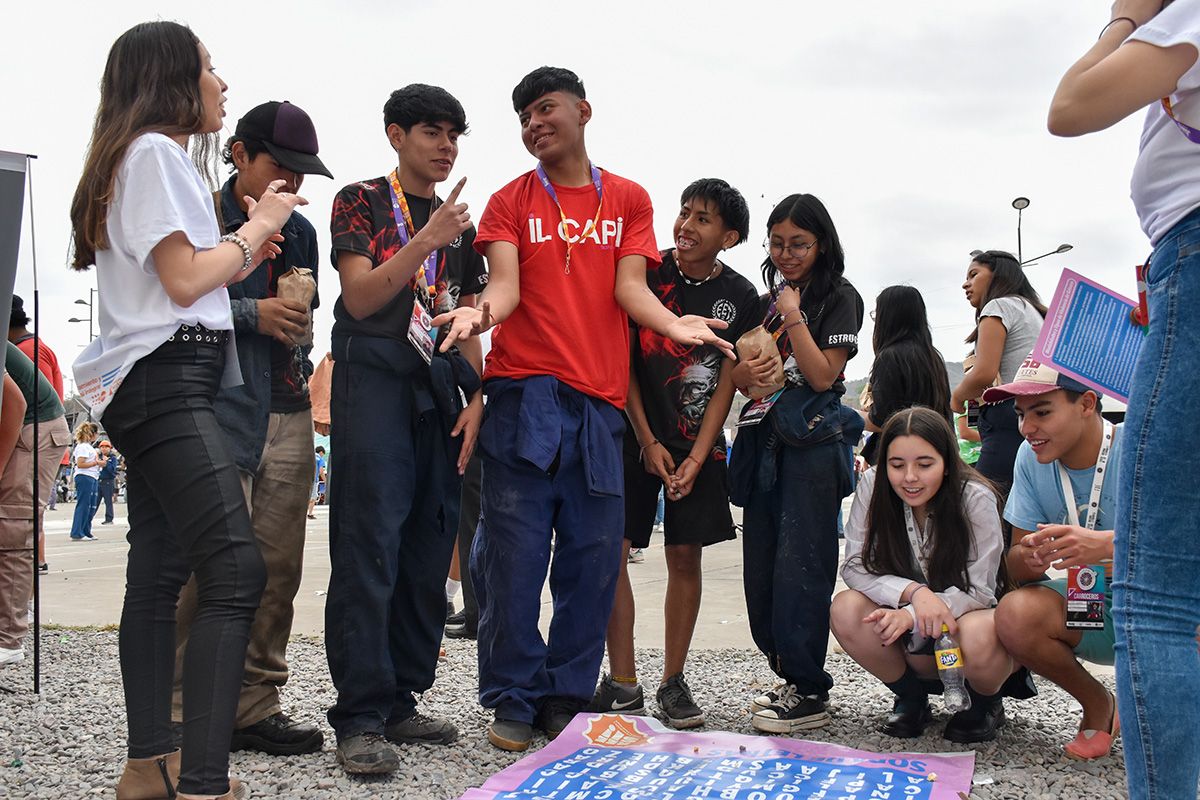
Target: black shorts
point(703, 517)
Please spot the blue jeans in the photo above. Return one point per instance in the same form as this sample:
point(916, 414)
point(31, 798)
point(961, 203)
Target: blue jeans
point(106, 489)
point(86, 498)
point(1156, 591)
point(551, 473)
point(790, 557)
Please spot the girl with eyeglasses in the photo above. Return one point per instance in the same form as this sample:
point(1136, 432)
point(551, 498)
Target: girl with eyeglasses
point(1008, 319)
point(144, 215)
point(1147, 58)
point(791, 470)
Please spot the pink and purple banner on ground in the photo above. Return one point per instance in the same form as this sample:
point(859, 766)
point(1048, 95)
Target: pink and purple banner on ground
point(618, 757)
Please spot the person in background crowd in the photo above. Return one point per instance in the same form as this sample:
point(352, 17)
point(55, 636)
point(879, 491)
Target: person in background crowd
point(922, 492)
point(266, 420)
point(966, 423)
point(88, 463)
point(318, 484)
point(908, 370)
point(792, 469)
point(1146, 54)
point(107, 481)
point(47, 362)
point(143, 214)
point(1008, 319)
point(17, 501)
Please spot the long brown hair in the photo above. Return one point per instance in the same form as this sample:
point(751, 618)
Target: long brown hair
point(151, 82)
point(886, 549)
point(1008, 279)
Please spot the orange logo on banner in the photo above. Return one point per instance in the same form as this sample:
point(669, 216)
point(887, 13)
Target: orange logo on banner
point(614, 730)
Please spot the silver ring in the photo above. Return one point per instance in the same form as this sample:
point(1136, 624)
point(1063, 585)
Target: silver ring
point(272, 189)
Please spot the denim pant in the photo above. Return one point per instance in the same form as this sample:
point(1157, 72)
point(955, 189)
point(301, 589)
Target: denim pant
point(468, 523)
point(86, 497)
point(790, 558)
point(1156, 590)
point(573, 500)
point(187, 515)
point(1000, 437)
point(393, 517)
point(107, 489)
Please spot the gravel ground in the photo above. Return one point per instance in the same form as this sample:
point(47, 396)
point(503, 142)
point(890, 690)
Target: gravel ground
point(68, 742)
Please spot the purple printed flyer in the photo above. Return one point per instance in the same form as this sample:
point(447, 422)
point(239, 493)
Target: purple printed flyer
point(1089, 336)
point(620, 757)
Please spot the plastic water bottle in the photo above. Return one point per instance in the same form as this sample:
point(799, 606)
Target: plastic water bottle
point(949, 659)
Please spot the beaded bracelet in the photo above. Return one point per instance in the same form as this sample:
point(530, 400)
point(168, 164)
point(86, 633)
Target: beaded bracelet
point(241, 242)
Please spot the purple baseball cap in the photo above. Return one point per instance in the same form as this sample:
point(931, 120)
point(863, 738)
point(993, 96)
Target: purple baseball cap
point(287, 133)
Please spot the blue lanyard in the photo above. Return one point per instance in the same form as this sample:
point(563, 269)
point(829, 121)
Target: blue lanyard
point(549, 187)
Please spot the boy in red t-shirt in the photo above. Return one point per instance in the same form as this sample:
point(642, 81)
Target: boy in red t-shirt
point(568, 246)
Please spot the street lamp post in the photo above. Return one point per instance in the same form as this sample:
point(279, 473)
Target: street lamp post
point(91, 305)
point(1020, 204)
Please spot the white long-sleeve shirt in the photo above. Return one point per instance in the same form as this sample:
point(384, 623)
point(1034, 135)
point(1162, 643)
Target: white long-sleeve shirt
point(983, 559)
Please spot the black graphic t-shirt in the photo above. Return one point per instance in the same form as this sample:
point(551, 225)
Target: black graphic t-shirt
point(363, 223)
point(834, 322)
point(677, 380)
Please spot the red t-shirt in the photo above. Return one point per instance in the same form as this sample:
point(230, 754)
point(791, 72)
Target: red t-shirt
point(47, 362)
point(568, 325)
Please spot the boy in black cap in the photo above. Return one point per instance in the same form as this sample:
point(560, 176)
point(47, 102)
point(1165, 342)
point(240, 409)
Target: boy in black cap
point(268, 419)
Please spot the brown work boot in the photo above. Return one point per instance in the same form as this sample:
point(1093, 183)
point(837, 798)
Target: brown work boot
point(149, 778)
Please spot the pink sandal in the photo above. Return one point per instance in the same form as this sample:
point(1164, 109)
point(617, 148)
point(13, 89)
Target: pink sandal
point(1091, 744)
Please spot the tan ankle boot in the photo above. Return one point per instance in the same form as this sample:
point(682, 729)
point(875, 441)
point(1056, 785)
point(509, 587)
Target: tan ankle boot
point(149, 778)
point(237, 791)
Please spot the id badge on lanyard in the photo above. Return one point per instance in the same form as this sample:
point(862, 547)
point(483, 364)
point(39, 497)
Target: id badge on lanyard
point(1086, 585)
point(420, 324)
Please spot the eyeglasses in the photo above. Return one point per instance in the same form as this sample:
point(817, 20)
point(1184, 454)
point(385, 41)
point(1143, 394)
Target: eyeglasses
point(776, 249)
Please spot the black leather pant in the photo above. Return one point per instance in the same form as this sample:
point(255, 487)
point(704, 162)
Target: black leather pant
point(187, 513)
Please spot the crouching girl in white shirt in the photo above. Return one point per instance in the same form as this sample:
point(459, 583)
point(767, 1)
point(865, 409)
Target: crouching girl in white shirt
point(924, 548)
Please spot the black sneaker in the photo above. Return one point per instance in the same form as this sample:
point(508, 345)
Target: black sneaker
point(791, 712)
point(769, 697)
point(420, 729)
point(675, 701)
point(456, 619)
point(613, 697)
point(278, 735)
point(367, 754)
point(449, 610)
point(468, 630)
point(556, 713)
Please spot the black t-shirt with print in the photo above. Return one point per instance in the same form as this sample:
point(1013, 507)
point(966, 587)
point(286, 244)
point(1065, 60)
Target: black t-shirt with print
point(363, 223)
point(834, 322)
point(677, 381)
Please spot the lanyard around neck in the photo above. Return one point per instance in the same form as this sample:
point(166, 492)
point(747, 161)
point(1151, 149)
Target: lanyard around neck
point(589, 229)
point(1097, 483)
point(426, 277)
point(1191, 133)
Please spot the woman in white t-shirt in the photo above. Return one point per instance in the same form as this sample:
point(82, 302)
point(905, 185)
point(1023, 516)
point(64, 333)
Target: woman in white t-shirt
point(88, 462)
point(144, 216)
point(1008, 319)
point(1147, 52)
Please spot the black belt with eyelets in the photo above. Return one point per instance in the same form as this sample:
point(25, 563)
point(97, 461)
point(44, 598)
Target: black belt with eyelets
point(198, 335)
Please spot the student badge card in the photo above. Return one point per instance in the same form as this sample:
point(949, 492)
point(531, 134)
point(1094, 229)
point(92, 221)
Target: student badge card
point(1089, 336)
point(1085, 597)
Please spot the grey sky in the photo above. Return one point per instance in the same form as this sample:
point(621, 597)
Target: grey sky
point(916, 124)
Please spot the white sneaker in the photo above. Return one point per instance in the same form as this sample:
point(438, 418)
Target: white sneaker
point(9, 657)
